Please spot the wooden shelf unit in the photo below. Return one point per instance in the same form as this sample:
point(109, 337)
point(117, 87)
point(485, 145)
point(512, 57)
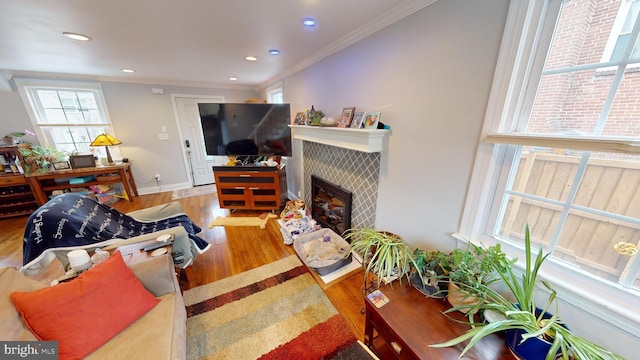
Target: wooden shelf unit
point(16, 197)
point(250, 187)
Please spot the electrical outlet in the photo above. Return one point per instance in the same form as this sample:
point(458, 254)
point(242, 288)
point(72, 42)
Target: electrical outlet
point(158, 177)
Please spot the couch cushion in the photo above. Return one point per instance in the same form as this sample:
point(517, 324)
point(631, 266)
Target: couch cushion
point(11, 326)
point(86, 312)
point(152, 336)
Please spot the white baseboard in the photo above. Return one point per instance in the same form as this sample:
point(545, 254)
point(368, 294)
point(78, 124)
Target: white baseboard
point(162, 188)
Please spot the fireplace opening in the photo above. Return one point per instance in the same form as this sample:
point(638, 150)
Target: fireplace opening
point(330, 205)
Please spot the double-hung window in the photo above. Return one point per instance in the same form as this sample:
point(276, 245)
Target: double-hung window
point(561, 146)
point(67, 116)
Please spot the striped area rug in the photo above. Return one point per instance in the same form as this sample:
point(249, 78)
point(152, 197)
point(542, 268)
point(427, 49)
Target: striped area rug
point(276, 311)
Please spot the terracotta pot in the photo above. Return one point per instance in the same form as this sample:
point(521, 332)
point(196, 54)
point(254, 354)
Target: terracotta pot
point(457, 296)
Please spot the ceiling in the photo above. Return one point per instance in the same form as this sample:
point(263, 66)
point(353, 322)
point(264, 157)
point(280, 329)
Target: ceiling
point(188, 42)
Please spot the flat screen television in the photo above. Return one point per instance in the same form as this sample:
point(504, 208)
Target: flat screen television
point(246, 129)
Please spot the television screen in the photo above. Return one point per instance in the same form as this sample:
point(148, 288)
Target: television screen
point(246, 129)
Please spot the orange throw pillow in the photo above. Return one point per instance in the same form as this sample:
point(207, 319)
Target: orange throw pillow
point(86, 312)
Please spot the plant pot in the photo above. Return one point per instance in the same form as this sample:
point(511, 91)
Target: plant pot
point(532, 348)
point(457, 297)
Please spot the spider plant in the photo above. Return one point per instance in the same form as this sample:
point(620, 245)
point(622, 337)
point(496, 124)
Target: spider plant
point(383, 253)
point(535, 323)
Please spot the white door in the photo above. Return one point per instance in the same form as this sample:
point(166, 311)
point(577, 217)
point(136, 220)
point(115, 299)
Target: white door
point(199, 165)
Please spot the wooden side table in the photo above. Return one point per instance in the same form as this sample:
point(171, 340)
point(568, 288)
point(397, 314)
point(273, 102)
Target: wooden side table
point(410, 322)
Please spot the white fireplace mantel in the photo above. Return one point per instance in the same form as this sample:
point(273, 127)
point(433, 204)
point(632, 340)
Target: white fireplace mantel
point(365, 140)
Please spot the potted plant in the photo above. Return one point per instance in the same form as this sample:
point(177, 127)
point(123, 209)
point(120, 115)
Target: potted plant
point(430, 273)
point(528, 327)
point(383, 253)
point(39, 158)
point(470, 271)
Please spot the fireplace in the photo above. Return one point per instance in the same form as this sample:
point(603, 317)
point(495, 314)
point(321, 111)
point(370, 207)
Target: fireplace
point(330, 205)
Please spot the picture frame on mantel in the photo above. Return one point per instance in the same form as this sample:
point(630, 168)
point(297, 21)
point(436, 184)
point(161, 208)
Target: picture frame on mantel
point(356, 123)
point(371, 120)
point(346, 117)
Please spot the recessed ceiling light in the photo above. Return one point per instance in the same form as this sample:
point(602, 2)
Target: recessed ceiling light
point(233, 78)
point(251, 58)
point(309, 22)
point(274, 52)
point(128, 70)
point(76, 36)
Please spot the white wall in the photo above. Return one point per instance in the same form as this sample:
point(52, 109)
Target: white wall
point(430, 76)
point(138, 115)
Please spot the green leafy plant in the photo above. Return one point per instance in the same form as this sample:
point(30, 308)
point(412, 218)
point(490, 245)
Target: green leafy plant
point(39, 158)
point(431, 268)
point(473, 269)
point(525, 315)
point(383, 253)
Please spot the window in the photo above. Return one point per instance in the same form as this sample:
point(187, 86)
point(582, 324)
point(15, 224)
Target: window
point(275, 94)
point(67, 116)
point(562, 150)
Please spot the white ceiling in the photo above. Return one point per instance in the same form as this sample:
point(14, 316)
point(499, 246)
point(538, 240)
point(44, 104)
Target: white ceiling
point(188, 42)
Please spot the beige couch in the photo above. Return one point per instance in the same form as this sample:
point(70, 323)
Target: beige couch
point(159, 334)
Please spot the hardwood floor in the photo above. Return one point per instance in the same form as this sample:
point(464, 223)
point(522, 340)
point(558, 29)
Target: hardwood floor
point(233, 249)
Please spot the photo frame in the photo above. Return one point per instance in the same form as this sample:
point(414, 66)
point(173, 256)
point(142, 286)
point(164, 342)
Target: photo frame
point(61, 165)
point(301, 118)
point(346, 117)
point(356, 123)
point(371, 120)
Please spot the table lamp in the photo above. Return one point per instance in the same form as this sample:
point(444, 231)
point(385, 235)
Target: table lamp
point(106, 140)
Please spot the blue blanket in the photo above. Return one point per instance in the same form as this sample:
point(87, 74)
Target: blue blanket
point(71, 219)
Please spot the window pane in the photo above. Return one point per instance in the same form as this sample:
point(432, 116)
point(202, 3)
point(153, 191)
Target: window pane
point(582, 33)
point(589, 242)
point(579, 205)
point(625, 111)
point(570, 103)
point(49, 99)
point(87, 100)
point(73, 138)
point(54, 116)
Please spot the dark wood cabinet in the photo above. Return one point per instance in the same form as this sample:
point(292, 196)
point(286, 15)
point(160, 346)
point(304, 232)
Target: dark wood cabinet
point(16, 197)
point(250, 187)
point(404, 328)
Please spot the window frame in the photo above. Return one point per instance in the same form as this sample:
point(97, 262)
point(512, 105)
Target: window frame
point(27, 89)
point(530, 27)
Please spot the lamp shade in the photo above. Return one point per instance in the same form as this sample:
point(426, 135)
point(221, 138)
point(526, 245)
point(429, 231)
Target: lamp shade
point(105, 140)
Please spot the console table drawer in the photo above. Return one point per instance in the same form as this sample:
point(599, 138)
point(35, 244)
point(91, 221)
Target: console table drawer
point(396, 346)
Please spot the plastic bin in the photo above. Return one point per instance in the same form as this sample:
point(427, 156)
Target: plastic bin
point(322, 267)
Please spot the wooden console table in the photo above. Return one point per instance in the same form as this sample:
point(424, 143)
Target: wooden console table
point(410, 322)
point(43, 182)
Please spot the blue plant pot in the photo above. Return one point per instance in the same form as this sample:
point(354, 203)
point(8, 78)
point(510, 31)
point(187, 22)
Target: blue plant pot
point(532, 348)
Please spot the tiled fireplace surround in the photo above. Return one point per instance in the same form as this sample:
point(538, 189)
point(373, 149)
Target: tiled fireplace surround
point(353, 170)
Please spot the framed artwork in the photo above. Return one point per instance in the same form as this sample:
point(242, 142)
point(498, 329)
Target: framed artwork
point(61, 165)
point(356, 123)
point(371, 120)
point(346, 117)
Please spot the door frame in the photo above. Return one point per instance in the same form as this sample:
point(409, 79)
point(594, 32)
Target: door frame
point(176, 115)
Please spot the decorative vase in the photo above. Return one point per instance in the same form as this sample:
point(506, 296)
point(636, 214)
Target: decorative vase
point(457, 296)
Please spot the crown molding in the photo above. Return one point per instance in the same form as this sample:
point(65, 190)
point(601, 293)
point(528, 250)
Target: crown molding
point(9, 74)
point(398, 13)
